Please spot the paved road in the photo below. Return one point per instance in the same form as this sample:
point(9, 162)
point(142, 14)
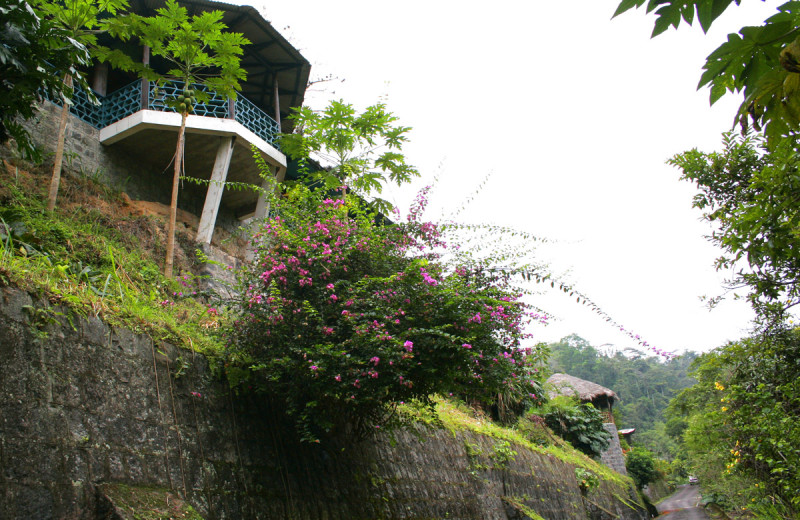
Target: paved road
point(682, 505)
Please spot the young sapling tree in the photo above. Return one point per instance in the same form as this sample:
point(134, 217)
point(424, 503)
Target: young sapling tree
point(80, 22)
point(365, 148)
point(205, 57)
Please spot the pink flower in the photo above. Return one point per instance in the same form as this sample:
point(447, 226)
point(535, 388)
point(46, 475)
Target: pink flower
point(338, 377)
point(314, 367)
point(466, 345)
point(375, 360)
point(409, 346)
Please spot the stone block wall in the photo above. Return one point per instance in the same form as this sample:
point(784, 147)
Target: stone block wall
point(613, 456)
point(83, 404)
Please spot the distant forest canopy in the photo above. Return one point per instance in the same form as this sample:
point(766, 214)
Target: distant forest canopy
point(645, 385)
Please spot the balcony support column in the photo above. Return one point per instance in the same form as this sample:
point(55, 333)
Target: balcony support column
point(262, 206)
point(277, 103)
point(216, 186)
point(145, 101)
point(269, 184)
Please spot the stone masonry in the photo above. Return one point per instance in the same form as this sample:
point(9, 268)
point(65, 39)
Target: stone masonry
point(613, 457)
point(83, 404)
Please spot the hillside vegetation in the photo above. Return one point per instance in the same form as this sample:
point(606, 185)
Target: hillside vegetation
point(97, 255)
point(645, 386)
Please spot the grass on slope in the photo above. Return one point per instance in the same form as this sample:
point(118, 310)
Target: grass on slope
point(99, 258)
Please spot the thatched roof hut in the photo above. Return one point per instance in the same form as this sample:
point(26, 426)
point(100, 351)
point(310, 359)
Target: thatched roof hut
point(564, 384)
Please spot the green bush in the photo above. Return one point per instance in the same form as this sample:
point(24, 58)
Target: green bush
point(743, 420)
point(580, 424)
point(641, 466)
point(343, 318)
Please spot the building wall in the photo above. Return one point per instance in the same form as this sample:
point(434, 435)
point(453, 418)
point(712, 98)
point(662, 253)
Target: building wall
point(82, 404)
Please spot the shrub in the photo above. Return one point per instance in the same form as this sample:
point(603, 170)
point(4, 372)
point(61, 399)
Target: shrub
point(641, 466)
point(580, 424)
point(342, 318)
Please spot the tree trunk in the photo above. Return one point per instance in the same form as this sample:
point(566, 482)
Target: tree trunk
point(55, 180)
point(173, 207)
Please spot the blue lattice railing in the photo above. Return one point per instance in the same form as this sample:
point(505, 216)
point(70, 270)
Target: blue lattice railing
point(215, 106)
point(127, 100)
point(253, 118)
point(83, 108)
point(121, 103)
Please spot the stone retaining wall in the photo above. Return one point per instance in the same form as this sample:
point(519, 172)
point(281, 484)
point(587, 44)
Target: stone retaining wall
point(83, 404)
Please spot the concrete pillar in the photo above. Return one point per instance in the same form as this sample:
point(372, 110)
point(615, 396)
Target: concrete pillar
point(144, 103)
point(262, 206)
point(276, 95)
point(215, 188)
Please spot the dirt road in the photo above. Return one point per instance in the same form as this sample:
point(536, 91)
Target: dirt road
point(683, 505)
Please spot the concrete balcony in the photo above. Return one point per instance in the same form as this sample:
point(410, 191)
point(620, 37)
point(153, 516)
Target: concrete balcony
point(220, 137)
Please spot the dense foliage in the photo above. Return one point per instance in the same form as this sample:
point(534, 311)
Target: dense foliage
point(750, 195)
point(30, 49)
point(743, 421)
point(364, 149)
point(762, 62)
point(641, 466)
point(645, 386)
point(580, 424)
point(343, 318)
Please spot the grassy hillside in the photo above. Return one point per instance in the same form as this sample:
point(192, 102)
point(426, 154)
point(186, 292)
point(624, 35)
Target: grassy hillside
point(100, 254)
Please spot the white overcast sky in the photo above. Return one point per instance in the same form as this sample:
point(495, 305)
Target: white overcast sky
point(574, 114)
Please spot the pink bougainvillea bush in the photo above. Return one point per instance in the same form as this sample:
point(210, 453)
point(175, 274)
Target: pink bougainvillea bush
point(343, 317)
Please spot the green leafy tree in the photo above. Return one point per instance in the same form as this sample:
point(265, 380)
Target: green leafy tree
point(641, 466)
point(750, 195)
point(205, 57)
point(743, 417)
point(29, 47)
point(365, 148)
point(760, 62)
point(80, 22)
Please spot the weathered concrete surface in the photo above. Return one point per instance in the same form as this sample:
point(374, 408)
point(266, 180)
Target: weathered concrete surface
point(83, 404)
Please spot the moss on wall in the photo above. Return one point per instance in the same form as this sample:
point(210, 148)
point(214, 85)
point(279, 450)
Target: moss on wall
point(90, 411)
